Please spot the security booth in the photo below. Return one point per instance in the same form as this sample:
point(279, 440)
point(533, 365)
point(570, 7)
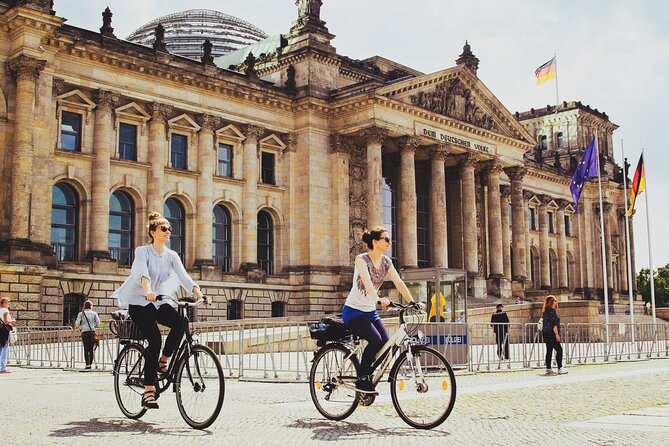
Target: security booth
point(444, 290)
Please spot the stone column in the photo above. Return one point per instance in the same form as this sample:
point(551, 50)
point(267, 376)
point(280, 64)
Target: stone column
point(26, 70)
point(206, 163)
point(527, 196)
point(250, 197)
point(374, 137)
point(543, 243)
point(158, 147)
point(563, 265)
point(518, 220)
point(341, 148)
point(408, 219)
point(495, 222)
point(505, 192)
point(467, 166)
point(438, 206)
point(103, 149)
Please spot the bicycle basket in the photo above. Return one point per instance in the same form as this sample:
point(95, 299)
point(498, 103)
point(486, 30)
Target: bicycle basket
point(125, 330)
point(413, 319)
point(328, 329)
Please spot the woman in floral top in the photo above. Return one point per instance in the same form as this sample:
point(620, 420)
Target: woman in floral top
point(359, 311)
point(551, 332)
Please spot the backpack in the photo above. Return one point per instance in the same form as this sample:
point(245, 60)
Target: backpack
point(540, 324)
point(328, 329)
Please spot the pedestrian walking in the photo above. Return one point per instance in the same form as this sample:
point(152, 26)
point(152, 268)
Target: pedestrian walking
point(151, 271)
point(359, 312)
point(6, 327)
point(499, 321)
point(551, 332)
point(87, 321)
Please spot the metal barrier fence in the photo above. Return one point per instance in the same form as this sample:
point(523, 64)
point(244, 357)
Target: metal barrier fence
point(282, 351)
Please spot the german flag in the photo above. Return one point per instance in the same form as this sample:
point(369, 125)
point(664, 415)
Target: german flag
point(546, 72)
point(638, 184)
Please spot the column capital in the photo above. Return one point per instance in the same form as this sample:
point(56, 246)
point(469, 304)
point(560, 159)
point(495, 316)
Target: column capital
point(439, 152)
point(25, 67)
point(515, 173)
point(409, 143)
point(159, 112)
point(57, 86)
point(106, 99)
point(207, 122)
point(290, 140)
point(340, 144)
point(545, 199)
point(252, 132)
point(505, 191)
point(374, 134)
point(493, 167)
point(527, 194)
point(467, 160)
point(562, 203)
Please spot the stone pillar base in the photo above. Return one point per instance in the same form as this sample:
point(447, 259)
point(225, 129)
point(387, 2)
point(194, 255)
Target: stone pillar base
point(25, 252)
point(104, 265)
point(207, 269)
point(98, 255)
point(476, 286)
point(253, 273)
point(518, 287)
point(499, 286)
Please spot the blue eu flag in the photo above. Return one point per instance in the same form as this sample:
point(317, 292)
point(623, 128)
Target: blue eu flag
point(587, 168)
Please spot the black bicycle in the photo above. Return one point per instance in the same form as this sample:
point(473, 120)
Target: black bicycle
point(195, 374)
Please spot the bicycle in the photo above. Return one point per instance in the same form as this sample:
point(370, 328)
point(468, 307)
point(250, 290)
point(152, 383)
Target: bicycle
point(422, 383)
point(195, 374)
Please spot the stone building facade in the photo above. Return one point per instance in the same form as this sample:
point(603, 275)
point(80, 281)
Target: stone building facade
point(269, 171)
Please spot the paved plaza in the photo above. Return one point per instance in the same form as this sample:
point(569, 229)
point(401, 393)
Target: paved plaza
point(612, 404)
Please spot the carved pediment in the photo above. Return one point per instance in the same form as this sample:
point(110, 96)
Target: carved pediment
point(451, 98)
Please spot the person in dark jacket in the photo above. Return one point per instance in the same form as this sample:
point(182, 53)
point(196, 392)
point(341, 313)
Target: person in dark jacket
point(499, 321)
point(551, 333)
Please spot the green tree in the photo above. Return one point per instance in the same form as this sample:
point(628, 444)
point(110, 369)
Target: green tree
point(661, 279)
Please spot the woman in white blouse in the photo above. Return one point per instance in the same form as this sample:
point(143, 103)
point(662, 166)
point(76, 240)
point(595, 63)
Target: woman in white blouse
point(151, 269)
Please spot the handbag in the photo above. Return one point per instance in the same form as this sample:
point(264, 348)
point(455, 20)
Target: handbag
point(96, 338)
point(328, 329)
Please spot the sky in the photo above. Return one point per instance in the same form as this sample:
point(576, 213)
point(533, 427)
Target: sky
point(612, 55)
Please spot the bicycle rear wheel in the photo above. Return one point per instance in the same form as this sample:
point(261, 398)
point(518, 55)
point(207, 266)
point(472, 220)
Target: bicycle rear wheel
point(200, 387)
point(423, 388)
point(129, 381)
point(332, 382)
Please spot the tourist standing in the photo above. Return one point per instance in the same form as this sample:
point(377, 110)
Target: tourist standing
point(499, 321)
point(5, 329)
point(551, 332)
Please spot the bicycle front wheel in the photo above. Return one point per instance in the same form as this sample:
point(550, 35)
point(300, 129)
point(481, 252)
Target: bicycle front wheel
point(332, 382)
point(423, 388)
point(200, 387)
point(129, 381)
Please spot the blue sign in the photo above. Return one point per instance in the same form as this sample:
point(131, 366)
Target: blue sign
point(446, 339)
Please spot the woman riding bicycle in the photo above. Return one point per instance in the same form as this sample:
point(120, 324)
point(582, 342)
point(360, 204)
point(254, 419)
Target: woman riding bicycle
point(359, 311)
point(152, 267)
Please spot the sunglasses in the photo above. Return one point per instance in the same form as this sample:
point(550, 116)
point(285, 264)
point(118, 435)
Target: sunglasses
point(165, 228)
point(387, 239)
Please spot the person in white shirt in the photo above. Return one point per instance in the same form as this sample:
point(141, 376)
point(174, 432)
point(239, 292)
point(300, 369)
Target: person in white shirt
point(88, 320)
point(7, 320)
point(151, 268)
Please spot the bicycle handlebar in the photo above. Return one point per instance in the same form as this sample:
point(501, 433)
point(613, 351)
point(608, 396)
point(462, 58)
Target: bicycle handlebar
point(161, 297)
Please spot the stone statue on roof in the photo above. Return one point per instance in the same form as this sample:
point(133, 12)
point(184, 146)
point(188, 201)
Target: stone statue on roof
point(308, 8)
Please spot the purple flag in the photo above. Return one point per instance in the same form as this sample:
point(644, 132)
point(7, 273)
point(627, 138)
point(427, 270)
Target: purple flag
point(587, 168)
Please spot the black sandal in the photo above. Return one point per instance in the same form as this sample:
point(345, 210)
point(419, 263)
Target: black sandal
point(162, 366)
point(149, 400)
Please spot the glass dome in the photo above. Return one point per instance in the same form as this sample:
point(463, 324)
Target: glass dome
point(186, 31)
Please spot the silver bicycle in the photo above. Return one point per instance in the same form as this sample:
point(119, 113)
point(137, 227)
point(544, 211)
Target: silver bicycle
point(422, 383)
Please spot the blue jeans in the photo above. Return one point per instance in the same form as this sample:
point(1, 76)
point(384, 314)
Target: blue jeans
point(3, 356)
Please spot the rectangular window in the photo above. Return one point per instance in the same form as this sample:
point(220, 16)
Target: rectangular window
point(224, 160)
point(178, 151)
point(567, 227)
point(70, 131)
point(127, 142)
point(551, 226)
point(531, 212)
point(267, 167)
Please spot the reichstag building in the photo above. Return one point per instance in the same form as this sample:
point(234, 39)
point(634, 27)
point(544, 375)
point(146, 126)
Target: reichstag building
point(270, 155)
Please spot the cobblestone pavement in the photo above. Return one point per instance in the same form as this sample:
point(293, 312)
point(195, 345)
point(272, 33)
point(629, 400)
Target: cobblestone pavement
point(589, 406)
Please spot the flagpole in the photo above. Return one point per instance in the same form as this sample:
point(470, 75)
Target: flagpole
point(627, 247)
point(601, 223)
point(557, 94)
point(650, 255)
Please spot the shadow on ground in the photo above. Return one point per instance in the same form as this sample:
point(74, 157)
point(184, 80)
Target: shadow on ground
point(344, 430)
point(96, 426)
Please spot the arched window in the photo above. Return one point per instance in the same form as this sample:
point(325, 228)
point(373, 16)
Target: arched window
point(560, 140)
point(174, 213)
point(72, 305)
point(64, 222)
point(543, 142)
point(265, 243)
point(121, 228)
point(222, 236)
point(278, 308)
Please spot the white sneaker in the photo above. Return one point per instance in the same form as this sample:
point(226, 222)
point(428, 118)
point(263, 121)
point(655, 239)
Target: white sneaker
point(549, 372)
point(562, 371)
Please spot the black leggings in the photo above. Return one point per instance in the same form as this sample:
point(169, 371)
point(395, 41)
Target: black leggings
point(552, 344)
point(376, 336)
point(87, 339)
point(146, 319)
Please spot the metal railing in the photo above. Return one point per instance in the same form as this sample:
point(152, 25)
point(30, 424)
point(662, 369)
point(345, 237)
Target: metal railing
point(282, 351)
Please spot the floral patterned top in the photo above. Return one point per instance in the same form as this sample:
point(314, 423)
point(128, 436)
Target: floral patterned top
point(358, 297)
